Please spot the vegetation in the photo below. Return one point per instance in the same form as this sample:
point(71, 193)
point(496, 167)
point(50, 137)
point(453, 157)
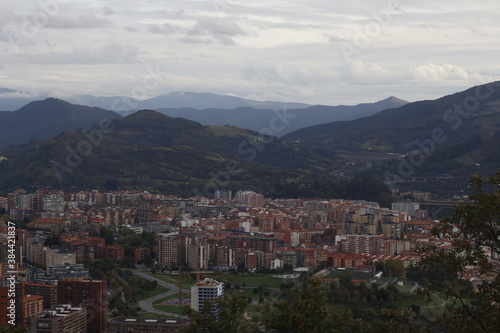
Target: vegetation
point(106, 233)
point(151, 151)
point(12, 329)
point(394, 268)
point(305, 309)
point(379, 143)
point(47, 118)
point(474, 234)
point(130, 241)
point(125, 289)
point(229, 319)
point(360, 188)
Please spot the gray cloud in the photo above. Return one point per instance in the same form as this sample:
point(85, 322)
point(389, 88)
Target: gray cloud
point(80, 21)
point(335, 39)
point(162, 29)
point(108, 11)
point(82, 55)
point(216, 30)
point(196, 40)
point(277, 49)
point(130, 29)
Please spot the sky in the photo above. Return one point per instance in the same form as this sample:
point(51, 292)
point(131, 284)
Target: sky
point(316, 51)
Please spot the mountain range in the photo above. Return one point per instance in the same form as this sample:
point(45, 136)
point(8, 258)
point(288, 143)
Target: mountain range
point(148, 150)
point(453, 136)
point(42, 120)
point(261, 119)
point(181, 99)
point(430, 145)
point(12, 100)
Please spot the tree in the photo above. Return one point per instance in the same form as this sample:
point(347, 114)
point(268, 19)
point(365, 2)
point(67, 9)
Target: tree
point(474, 234)
point(306, 311)
point(345, 277)
point(106, 233)
point(287, 268)
point(12, 329)
point(230, 317)
point(394, 268)
point(53, 240)
point(303, 309)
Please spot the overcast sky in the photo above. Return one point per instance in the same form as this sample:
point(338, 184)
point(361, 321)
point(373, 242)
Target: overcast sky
point(312, 51)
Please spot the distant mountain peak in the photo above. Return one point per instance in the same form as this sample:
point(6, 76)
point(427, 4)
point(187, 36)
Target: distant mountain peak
point(53, 101)
point(49, 100)
point(146, 113)
point(391, 102)
point(47, 118)
point(395, 99)
point(46, 104)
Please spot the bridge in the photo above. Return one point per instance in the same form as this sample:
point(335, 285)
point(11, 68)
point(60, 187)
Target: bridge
point(437, 210)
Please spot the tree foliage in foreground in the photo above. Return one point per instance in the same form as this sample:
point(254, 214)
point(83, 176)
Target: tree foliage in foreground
point(12, 329)
point(474, 235)
point(230, 318)
point(305, 310)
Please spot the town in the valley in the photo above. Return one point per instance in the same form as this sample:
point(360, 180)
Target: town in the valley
point(58, 237)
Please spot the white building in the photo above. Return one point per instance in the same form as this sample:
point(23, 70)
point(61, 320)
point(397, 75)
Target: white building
point(409, 208)
point(208, 289)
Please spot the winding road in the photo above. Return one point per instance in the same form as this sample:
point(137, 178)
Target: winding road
point(147, 304)
point(443, 303)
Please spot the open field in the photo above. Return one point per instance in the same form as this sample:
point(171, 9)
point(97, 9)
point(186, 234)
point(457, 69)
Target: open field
point(265, 281)
point(243, 280)
point(174, 308)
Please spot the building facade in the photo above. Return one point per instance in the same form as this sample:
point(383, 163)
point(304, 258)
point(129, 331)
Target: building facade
point(60, 319)
point(91, 294)
point(146, 325)
point(206, 290)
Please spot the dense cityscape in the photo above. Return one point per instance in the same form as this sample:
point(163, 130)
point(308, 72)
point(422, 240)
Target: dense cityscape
point(58, 234)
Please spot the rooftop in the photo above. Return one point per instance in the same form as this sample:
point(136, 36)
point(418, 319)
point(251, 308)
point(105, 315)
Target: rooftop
point(208, 282)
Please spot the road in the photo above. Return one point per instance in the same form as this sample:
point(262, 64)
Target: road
point(443, 303)
point(147, 304)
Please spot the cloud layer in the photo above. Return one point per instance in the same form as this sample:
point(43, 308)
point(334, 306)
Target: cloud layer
point(317, 51)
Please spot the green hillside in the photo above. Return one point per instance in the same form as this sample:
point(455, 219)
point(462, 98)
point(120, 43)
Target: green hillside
point(456, 134)
point(47, 118)
point(151, 151)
